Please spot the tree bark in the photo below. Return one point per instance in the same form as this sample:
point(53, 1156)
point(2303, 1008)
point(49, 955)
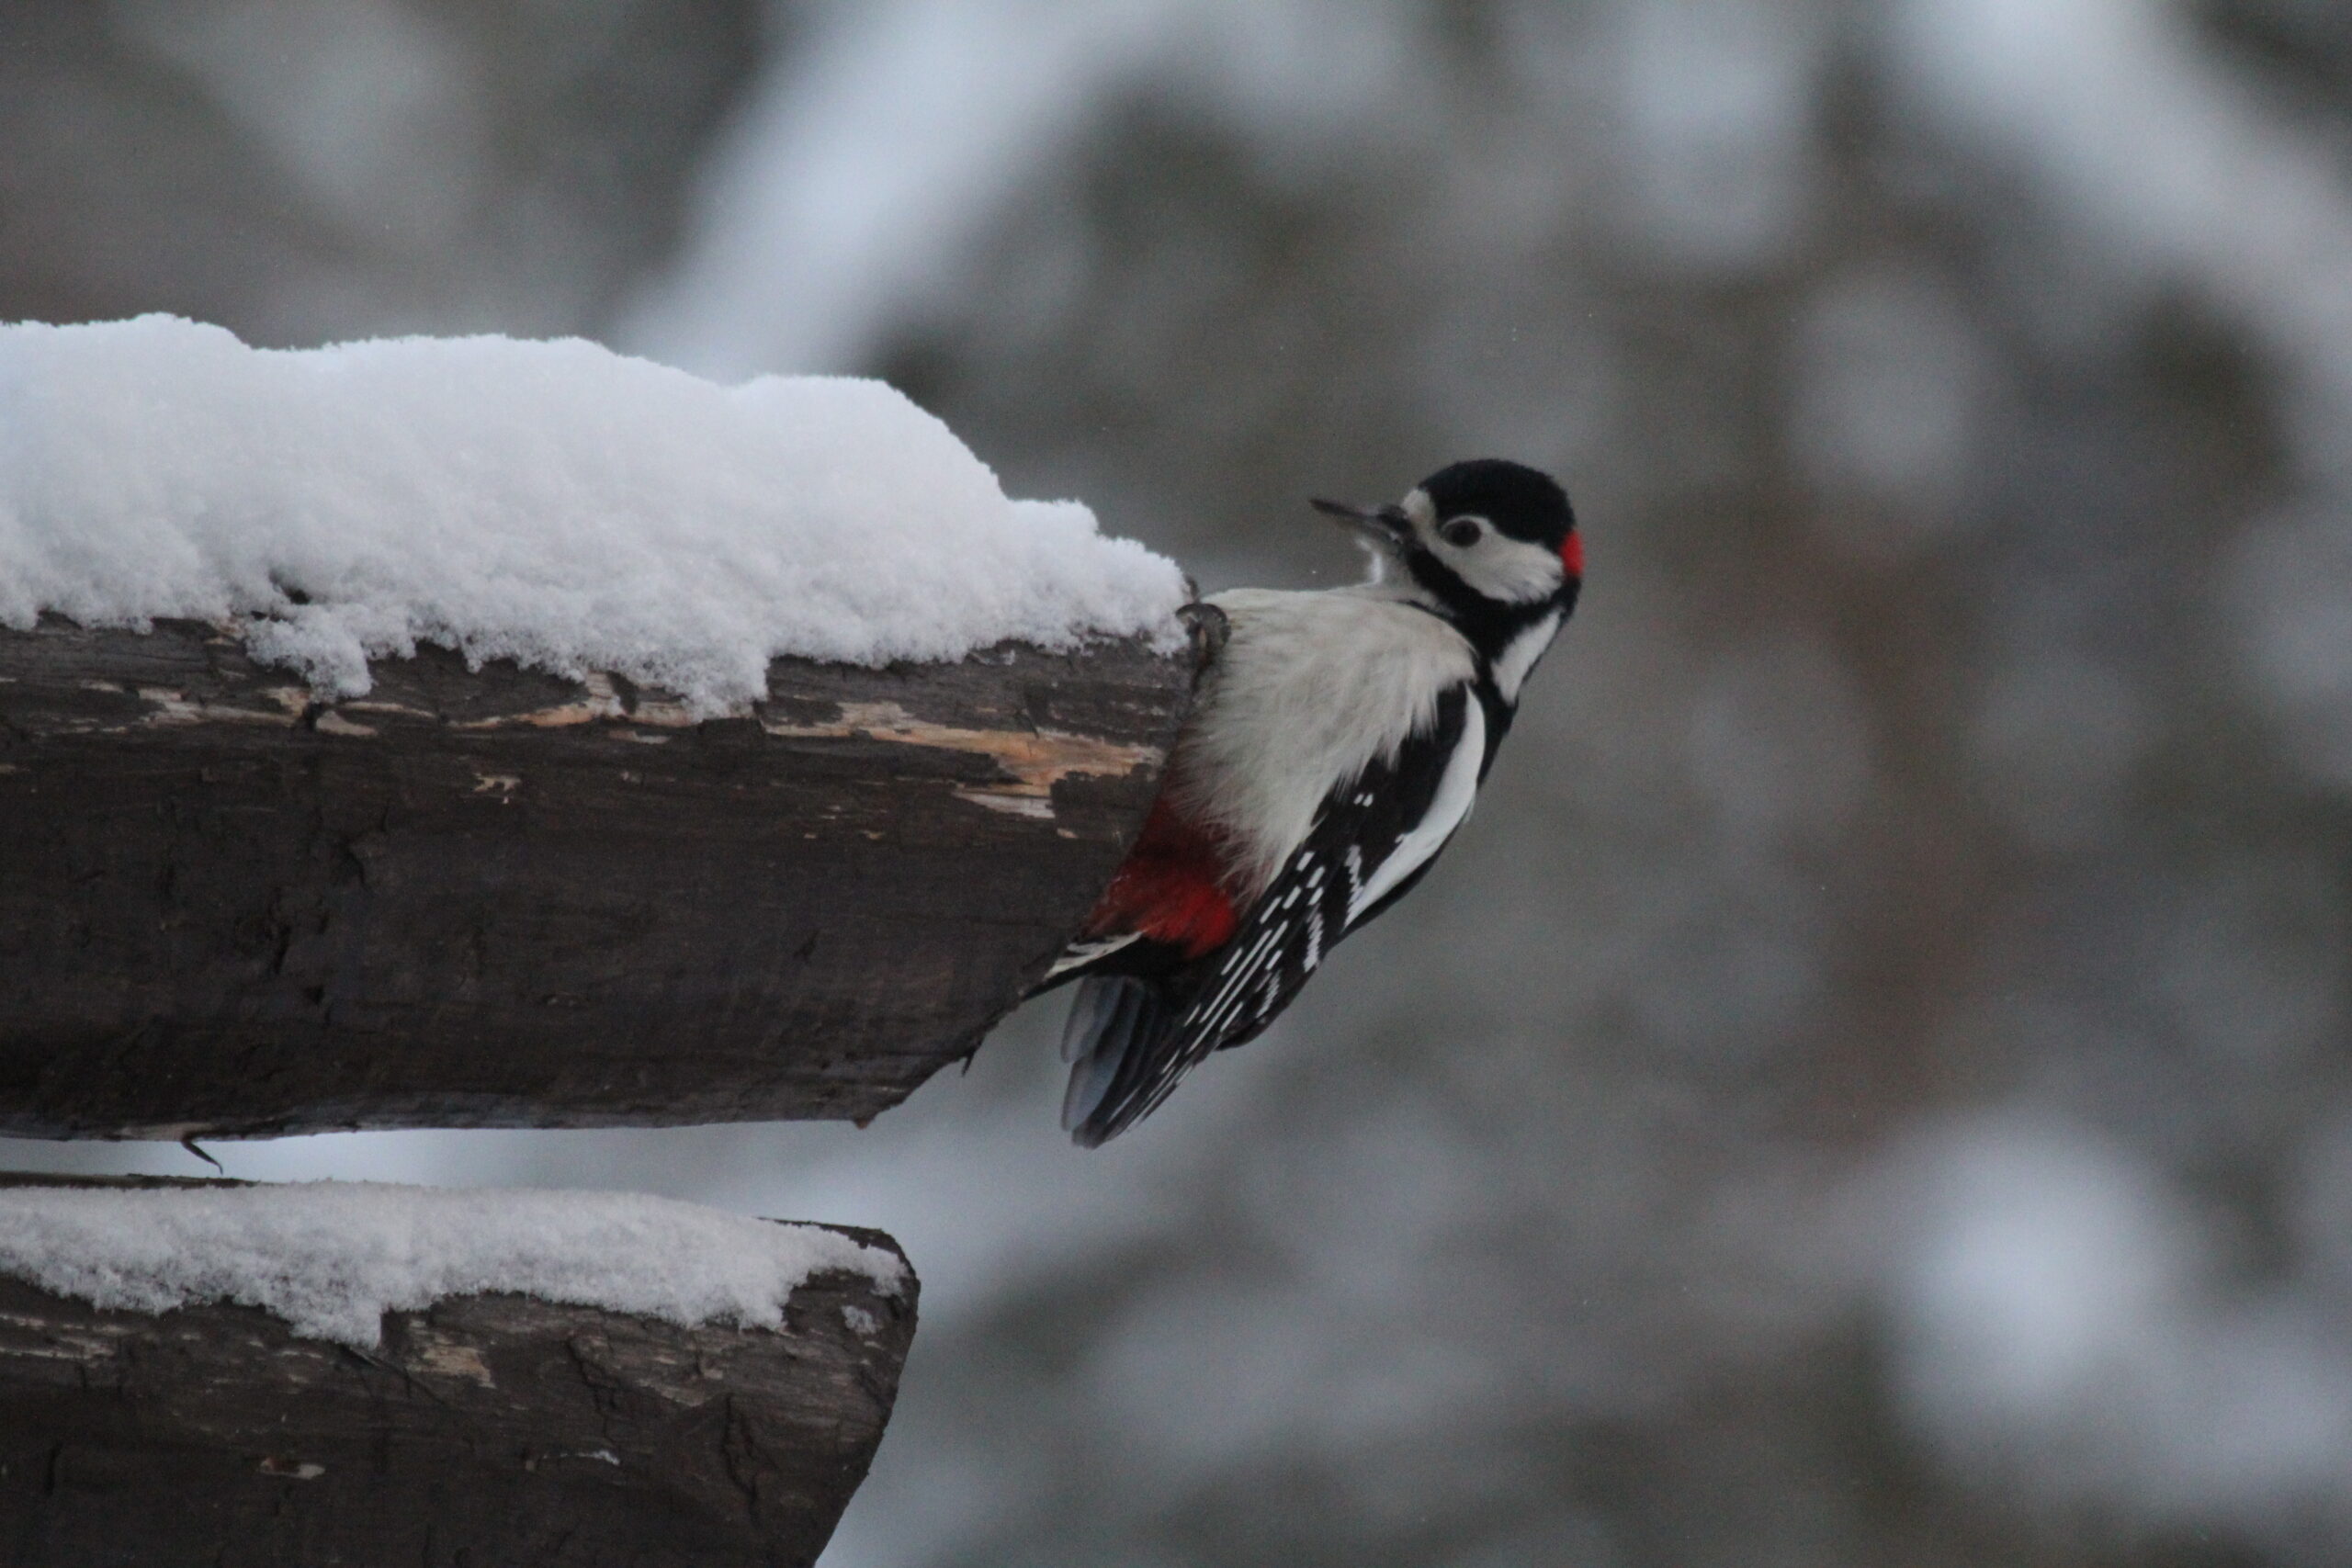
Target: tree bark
point(501, 898)
point(486, 1430)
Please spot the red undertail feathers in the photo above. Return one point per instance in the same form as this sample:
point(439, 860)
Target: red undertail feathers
point(1170, 887)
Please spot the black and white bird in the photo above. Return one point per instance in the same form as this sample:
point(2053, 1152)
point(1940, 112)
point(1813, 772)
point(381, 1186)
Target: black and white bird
point(1336, 741)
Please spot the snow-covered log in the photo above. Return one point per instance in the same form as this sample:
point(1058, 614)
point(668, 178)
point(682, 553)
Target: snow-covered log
point(506, 898)
point(661, 1384)
point(478, 732)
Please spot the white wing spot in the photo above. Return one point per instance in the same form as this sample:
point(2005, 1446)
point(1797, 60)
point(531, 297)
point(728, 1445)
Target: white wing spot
point(1457, 791)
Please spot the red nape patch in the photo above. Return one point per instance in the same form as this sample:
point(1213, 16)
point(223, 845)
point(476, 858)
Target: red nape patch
point(1170, 887)
point(1572, 555)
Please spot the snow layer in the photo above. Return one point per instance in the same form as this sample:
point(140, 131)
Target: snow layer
point(333, 1257)
point(552, 503)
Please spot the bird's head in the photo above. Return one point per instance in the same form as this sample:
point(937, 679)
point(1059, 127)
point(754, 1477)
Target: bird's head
point(1490, 544)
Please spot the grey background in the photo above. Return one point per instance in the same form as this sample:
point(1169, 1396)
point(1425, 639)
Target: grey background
point(1869, 1088)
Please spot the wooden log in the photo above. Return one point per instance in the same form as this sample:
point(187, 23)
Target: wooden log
point(500, 898)
point(486, 1430)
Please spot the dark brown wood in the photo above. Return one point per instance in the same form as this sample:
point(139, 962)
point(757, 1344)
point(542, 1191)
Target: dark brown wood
point(503, 898)
point(490, 1430)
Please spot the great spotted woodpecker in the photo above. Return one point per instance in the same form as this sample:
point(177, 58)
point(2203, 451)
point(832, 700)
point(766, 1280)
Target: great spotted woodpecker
point(1336, 741)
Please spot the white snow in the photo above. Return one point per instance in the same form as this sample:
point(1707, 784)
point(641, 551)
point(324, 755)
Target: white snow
point(552, 503)
point(332, 1257)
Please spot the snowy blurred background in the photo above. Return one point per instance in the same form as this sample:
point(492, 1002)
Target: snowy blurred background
point(1872, 1086)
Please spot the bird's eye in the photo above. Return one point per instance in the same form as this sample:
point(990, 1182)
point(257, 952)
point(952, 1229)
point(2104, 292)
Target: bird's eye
point(1461, 532)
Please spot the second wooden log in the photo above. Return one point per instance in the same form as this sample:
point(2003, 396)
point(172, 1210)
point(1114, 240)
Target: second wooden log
point(491, 1428)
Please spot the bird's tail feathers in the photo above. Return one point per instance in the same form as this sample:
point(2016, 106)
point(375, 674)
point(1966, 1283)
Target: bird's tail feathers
point(1116, 1022)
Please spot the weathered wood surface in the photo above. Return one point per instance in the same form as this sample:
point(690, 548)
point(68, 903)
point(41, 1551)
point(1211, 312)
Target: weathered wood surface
point(491, 1429)
point(503, 898)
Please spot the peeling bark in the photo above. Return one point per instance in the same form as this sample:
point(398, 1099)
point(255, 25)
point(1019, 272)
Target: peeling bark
point(505, 899)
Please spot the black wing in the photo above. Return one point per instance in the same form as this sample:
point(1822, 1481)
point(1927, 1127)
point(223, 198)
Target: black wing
point(1131, 1038)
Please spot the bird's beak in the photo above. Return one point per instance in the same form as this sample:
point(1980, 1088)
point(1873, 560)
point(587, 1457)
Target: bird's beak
point(1387, 527)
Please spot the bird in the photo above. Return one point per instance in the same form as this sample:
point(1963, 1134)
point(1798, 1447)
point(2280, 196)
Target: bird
point(1336, 743)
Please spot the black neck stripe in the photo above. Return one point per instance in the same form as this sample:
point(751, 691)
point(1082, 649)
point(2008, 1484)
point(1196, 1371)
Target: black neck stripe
point(1488, 624)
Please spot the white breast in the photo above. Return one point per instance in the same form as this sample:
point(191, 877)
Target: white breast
point(1310, 687)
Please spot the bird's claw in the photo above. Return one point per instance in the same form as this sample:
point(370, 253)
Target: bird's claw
point(1209, 628)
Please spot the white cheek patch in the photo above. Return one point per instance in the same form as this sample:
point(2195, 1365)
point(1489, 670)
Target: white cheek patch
point(1507, 569)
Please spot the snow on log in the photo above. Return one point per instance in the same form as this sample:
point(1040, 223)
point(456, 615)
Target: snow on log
point(203, 1372)
point(485, 733)
point(554, 504)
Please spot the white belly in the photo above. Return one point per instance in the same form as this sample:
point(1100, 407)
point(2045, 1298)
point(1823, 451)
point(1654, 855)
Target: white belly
point(1310, 687)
